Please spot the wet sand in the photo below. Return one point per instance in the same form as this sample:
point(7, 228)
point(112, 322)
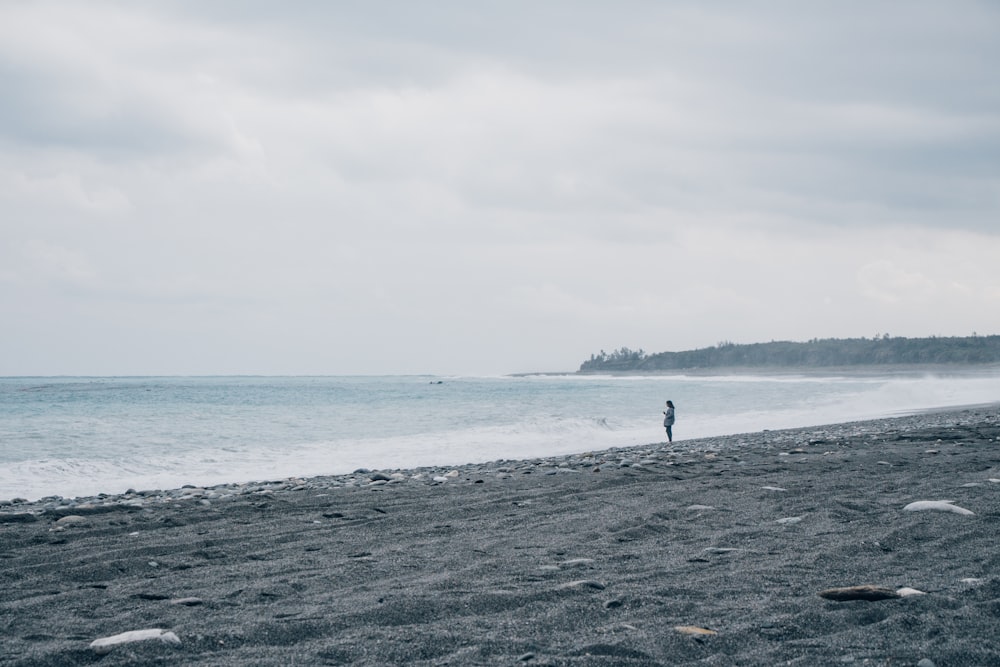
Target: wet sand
point(707, 552)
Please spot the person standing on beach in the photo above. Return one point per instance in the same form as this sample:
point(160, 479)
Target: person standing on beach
point(668, 420)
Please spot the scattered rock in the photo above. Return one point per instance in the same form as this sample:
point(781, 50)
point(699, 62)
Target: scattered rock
point(868, 593)
point(72, 520)
point(908, 592)
point(694, 630)
point(788, 520)
point(937, 506)
point(105, 644)
point(582, 583)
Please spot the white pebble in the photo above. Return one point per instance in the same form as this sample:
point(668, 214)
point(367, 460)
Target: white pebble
point(936, 506)
point(105, 644)
point(582, 583)
point(72, 519)
point(187, 602)
point(908, 592)
point(789, 520)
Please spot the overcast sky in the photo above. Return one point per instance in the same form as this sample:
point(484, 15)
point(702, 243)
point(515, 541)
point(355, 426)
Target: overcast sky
point(487, 187)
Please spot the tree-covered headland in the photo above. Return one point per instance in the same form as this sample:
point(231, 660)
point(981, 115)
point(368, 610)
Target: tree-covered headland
point(818, 353)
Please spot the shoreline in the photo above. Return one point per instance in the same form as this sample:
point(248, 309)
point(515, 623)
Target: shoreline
point(134, 497)
point(709, 551)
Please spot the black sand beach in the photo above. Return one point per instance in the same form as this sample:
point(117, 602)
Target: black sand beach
point(707, 552)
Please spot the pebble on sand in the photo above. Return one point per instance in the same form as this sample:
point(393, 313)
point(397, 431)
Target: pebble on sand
point(694, 630)
point(582, 583)
point(72, 519)
point(937, 506)
point(906, 592)
point(868, 593)
point(105, 644)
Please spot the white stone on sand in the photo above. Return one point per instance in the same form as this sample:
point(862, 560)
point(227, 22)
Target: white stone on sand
point(906, 592)
point(105, 644)
point(73, 519)
point(937, 506)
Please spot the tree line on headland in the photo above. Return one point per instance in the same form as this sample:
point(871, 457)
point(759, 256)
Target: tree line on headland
point(881, 350)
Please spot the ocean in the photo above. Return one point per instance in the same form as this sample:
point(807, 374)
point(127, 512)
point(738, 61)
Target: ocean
point(76, 436)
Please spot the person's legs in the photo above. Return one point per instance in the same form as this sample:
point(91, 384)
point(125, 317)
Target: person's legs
point(670, 434)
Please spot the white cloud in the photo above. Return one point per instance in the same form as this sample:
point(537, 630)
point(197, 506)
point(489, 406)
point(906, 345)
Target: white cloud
point(883, 281)
point(66, 187)
point(52, 263)
point(333, 189)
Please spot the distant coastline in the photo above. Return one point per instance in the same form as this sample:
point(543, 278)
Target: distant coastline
point(901, 370)
point(877, 355)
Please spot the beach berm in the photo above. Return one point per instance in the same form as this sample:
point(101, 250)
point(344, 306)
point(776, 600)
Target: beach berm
point(779, 547)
